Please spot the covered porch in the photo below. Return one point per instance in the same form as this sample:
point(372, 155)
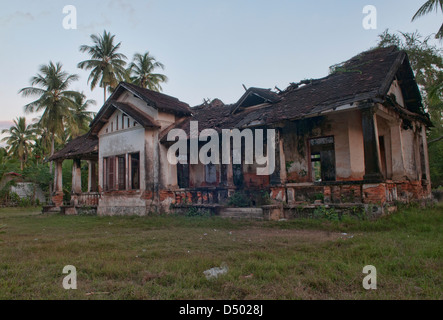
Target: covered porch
point(80, 150)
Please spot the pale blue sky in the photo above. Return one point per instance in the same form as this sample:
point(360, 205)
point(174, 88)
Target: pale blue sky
point(210, 48)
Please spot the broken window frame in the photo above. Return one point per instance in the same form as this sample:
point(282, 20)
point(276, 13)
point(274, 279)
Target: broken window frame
point(134, 160)
point(316, 150)
point(109, 169)
point(121, 172)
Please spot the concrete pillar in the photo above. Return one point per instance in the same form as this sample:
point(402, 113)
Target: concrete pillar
point(283, 173)
point(57, 196)
point(230, 174)
point(58, 176)
point(76, 177)
point(92, 176)
point(371, 146)
point(275, 176)
point(398, 165)
point(425, 154)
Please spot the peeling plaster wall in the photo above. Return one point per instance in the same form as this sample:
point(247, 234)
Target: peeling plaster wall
point(119, 143)
point(296, 156)
point(140, 104)
point(339, 129)
point(396, 90)
point(357, 153)
point(410, 164)
point(384, 130)
point(346, 128)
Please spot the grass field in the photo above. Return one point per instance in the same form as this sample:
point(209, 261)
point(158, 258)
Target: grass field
point(164, 257)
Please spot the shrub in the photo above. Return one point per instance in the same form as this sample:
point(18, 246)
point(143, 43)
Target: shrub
point(240, 200)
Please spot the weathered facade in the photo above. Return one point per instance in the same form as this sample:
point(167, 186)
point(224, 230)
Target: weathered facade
point(355, 137)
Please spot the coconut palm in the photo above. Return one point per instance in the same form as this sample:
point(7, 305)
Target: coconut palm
point(54, 99)
point(19, 140)
point(107, 65)
point(427, 8)
point(142, 69)
point(80, 117)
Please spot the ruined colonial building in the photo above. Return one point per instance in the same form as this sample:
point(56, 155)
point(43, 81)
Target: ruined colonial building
point(354, 138)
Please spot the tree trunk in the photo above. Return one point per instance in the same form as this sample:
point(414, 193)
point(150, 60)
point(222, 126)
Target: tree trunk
point(50, 167)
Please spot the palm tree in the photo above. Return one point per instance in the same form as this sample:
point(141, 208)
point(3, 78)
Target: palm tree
point(141, 72)
point(54, 99)
point(107, 65)
point(80, 117)
point(426, 8)
point(19, 140)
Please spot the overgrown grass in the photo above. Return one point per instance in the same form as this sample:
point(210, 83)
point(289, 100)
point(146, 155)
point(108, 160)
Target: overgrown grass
point(160, 257)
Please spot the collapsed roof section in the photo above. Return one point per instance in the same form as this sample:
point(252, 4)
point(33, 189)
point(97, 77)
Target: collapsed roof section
point(365, 77)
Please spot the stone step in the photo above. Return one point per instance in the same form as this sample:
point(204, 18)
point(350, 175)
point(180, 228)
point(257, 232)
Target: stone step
point(242, 213)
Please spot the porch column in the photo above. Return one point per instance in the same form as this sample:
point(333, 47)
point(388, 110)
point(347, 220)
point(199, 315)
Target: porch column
point(92, 176)
point(371, 145)
point(283, 173)
point(58, 176)
point(398, 165)
point(426, 168)
point(276, 175)
point(57, 196)
point(76, 177)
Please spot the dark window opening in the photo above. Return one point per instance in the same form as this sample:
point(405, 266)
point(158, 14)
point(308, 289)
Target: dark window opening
point(322, 159)
point(237, 170)
point(109, 173)
point(135, 171)
point(381, 142)
point(210, 173)
point(183, 175)
point(121, 173)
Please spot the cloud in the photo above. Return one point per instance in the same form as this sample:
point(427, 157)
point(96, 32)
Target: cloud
point(5, 124)
point(20, 17)
point(16, 16)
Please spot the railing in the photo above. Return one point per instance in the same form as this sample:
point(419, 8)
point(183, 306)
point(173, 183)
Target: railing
point(85, 199)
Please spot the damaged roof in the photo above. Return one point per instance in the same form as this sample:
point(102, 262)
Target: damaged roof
point(85, 146)
point(366, 77)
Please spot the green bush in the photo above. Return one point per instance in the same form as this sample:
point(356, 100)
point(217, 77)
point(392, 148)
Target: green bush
point(240, 200)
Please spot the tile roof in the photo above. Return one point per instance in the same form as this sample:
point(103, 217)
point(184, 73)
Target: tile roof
point(84, 145)
point(159, 100)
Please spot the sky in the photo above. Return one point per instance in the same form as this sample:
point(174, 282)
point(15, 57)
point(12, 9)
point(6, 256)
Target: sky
point(210, 48)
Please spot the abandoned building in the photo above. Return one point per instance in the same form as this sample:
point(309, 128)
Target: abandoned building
point(356, 137)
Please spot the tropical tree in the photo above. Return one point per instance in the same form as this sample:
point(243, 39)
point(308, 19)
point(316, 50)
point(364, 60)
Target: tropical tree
point(107, 65)
point(427, 8)
point(55, 100)
point(19, 140)
point(141, 72)
point(80, 117)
